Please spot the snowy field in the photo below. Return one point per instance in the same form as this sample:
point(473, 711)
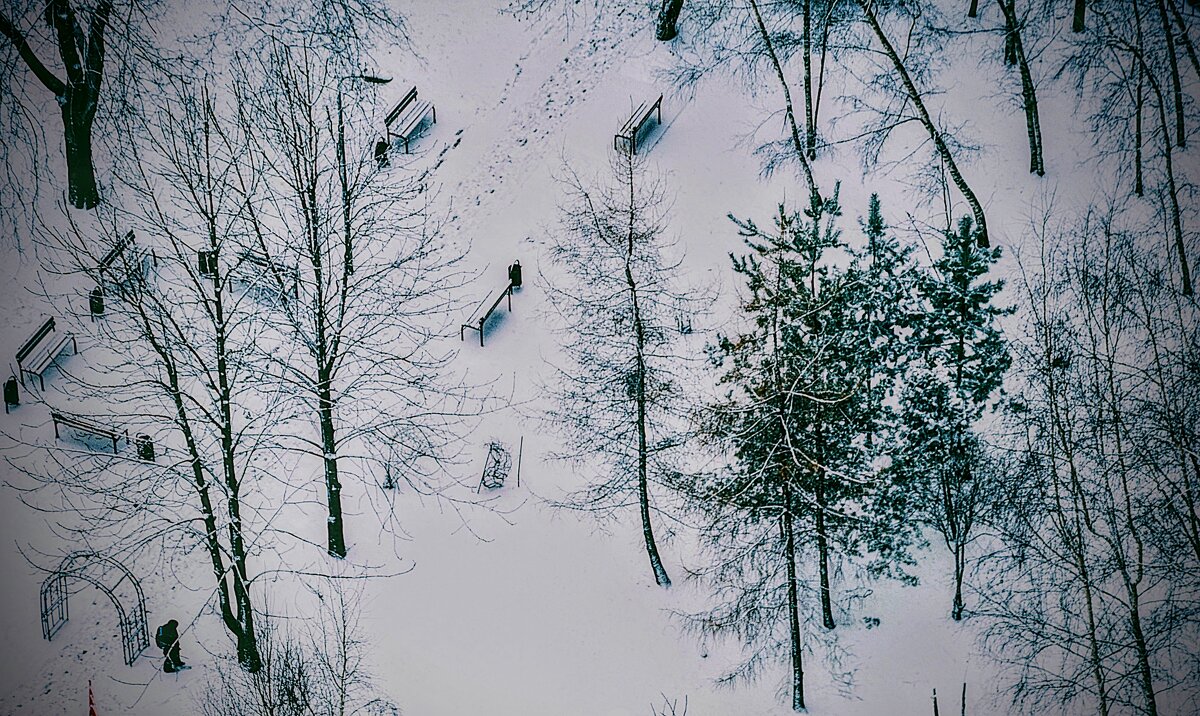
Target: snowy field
point(511, 606)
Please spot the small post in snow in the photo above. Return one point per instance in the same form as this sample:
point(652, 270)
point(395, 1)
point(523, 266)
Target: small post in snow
point(521, 451)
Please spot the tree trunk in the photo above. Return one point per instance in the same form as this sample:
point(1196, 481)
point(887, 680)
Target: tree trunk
point(810, 124)
point(1139, 187)
point(1172, 189)
point(82, 190)
point(797, 645)
point(973, 11)
point(1184, 37)
point(823, 536)
point(1033, 124)
point(668, 17)
point(960, 566)
point(656, 565)
point(789, 108)
point(82, 55)
point(336, 543)
point(1077, 24)
point(1176, 85)
point(923, 114)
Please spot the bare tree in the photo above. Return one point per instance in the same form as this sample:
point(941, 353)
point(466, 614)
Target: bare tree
point(936, 134)
point(616, 309)
point(78, 33)
point(1086, 607)
point(1015, 55)
point(179, 337)
point(354, 269)
point(320, 670)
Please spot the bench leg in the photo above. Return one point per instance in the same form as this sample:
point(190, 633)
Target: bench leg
point(55, 430)
point(481, 320)
point(434, 114)
point(510, 298)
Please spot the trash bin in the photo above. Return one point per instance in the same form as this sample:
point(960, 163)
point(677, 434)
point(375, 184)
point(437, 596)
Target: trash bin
point(208, 263)
point(144, 446)
point(11, 394)
point(96, 302)
point(514, 274)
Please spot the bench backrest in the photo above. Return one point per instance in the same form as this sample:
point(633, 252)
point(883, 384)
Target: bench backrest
point(30, 345)
point(115, 252)
point(408, 99)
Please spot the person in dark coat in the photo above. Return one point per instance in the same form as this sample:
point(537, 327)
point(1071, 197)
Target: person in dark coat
point(381, 153)
point(514, 274)
point(167, 639)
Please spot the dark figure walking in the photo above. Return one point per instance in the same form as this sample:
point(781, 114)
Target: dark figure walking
point(167, 639)
point(381, 153)
point(514, 274)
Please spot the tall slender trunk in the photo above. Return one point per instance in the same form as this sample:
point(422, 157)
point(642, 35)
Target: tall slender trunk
point(1176, 84)
point(935, 134)
point(1185, 274)
point(1139, 102)
point(1077, 24)
point(789, 107)
point(668, 18)
point(797, 644)
point(656, 565)
point(1028, 90)
point(810, 126)
point(822, 530)
point(1185, 37)
point(973, 10)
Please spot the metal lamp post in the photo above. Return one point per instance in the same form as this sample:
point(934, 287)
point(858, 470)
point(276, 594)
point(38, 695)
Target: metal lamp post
point(341, 157)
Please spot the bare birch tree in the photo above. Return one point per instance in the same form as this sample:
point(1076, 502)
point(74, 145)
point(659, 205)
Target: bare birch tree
point(616, 311)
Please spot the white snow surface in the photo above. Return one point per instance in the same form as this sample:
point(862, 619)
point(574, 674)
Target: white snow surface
point(534, 611)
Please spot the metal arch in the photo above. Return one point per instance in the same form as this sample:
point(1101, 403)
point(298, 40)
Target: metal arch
point(135, 636)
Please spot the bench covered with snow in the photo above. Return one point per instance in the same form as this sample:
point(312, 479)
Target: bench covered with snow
point(125, 264)
point(629, 131)
point(87, 426)
point(407, 115)
point(37, 353)
point(280, 278)
point(477, 318)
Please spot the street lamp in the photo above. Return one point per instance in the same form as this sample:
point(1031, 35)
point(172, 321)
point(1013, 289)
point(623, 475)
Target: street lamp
point(341, 157)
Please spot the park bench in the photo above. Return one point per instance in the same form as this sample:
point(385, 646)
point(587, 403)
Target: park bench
point(281, 279)
point(407, 115)
point(633, 125)
point(476, 320)
point(37, 353)
point(125, 264)
point(87, 426)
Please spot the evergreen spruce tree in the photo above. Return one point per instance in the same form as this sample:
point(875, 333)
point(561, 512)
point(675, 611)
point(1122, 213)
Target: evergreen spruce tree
point(802, 493)
point(963, 358)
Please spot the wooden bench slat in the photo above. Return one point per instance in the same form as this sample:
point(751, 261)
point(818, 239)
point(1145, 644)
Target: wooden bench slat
point(406, 116)
point(476, 324)
point(633, 126)
point(37, 353)
point(87, 426)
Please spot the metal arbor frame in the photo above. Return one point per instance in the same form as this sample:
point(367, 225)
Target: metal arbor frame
point(110, 577)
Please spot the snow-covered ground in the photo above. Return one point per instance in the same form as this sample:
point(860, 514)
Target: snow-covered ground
point(533, 611)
